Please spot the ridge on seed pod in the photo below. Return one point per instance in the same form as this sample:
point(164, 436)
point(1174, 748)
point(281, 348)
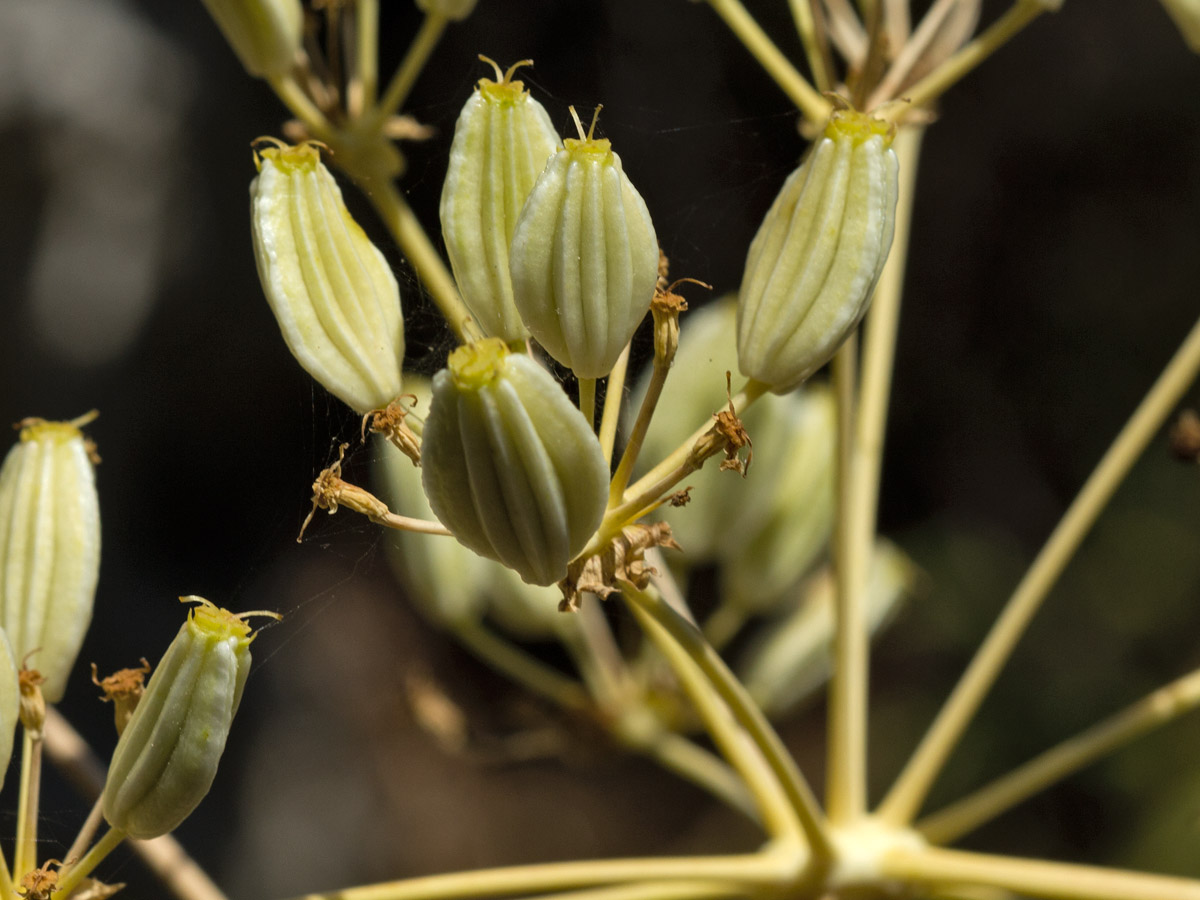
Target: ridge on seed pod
point(331, 290)
point(509, 465)
point(817, 255)
point(584, 256)
point(49, 546)
point(265, 34)
point(167, 756)
point(502, 140)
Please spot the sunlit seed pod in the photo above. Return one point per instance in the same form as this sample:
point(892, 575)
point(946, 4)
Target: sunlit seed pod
point(584, 257)
point(818, 253)
point(265, 34)
point(10, 703)
point(333, 293)
point(1186, 14)
point(49, 548)
point(509, 465)
point(454, 10)
point(793, 658)
point(501, 143)
point(167, 756)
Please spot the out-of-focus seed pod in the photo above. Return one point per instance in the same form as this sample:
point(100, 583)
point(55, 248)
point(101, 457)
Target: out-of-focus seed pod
point(1186, 14)
point(332, 291)
point(818, 253)
point(167, 755)
point(454, 10)
point(794, 657)
point(509, 464)
point(501, 142)
point(49, 548)
point(10, 703)
point(584, 257)
point(265, 34)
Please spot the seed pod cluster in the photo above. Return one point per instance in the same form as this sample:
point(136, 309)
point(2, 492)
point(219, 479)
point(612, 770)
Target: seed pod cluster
point(818, 253)
point(332, 291)
point(265, 34)
point(167, 755)
point(584, 257)
point(49, 548)
point(510, 466)
point(502, 140)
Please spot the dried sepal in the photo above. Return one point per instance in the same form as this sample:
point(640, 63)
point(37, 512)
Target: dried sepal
point(510, 466)
point(502, 140)
point(167, 756)
point(49, 546)
point(265, 34)
point(817, 255)
point(331, 290)
point(584, 257)
point(621, 561)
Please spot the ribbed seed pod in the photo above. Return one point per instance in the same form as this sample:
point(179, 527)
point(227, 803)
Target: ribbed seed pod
point(265, 34)
point(509, 464)
point(332, 291)
point(584, 258)
point(10, 703)
point(49, 548)
point(167, 755)
point(501, 142)
point(818, 253)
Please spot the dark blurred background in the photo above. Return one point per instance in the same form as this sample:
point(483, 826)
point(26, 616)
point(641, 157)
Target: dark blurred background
point(1054, 269)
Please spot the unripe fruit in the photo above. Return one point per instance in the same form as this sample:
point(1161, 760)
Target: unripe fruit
point(584, 257)
point(509, 464)
point(332, 291)
point(265, 34)
point(502, 140)
point(49, 548)
point(818, 253)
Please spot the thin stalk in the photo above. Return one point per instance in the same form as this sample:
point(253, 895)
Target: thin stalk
point(407, 523)
point(1154, 710)
point(845, 778)
point(406, 230)
point(614, 393)
point(587, 400)
point(911, 51)
point(302, 107)
point(750, 717)
point(732, 741)
point(75, 874)
point(1032, 877)
point(526, 670)
point(723, 624)
point(814, 107)
point(598, 658)
point(620, 479)
point(410, 67)
point(860, 467)
point(25, 851)
point(164, 856)
point(653, 890)
point(807, 29)
point(83, 840)
point(363, 89)
point(995, 36)
point(911, 787)
point(746, 870)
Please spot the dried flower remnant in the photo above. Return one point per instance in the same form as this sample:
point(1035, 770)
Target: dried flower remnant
point(331, 290)
point(49, 546)
point(124, 689)
point(621, 561)
point(510, 466)
point(502, 140)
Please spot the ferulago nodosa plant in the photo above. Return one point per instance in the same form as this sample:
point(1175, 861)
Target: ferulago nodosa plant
point(995, 388)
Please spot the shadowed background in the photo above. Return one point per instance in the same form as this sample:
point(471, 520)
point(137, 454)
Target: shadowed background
point(1053, 271)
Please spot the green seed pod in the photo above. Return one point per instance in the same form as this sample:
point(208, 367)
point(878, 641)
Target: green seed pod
point(167, 755)
point(509, 464)
point(501, 142)
point(265, 34)
point(454, 10)
point(794, 657)
point(332, 291)
point(818, 253)
point(10, 703)
point(49, 547)
point(584, 257)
